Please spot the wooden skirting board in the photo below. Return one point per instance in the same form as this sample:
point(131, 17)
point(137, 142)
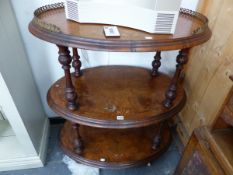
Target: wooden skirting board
point(29, 161)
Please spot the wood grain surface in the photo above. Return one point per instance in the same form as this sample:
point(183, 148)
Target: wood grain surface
point(208, 70)
point(114, 98)
point(110, 91)
point(119, 148)
point(198, 158)
point(91, 36)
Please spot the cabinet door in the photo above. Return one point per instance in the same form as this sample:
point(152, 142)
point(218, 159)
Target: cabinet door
point(197, 159)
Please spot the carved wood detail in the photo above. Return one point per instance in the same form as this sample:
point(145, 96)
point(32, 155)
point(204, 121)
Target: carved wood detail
point(76, 63)
point(70, 94)
point(156, 64)
point(170, 95)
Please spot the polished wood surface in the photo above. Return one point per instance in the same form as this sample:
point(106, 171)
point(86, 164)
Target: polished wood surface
point(156, 63)
point(77, 140)
point(110, 91)
point(70, 94)
point(171, 93)
point(123, 102)
point(91, 36)
point(109, 148)
point(76, 63)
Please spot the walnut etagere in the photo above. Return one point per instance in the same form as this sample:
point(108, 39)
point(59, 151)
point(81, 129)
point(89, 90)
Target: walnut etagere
point(116, 115)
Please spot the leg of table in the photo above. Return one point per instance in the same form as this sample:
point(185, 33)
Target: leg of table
point(157, 138)
point(78, 142)
point(156, 64)
point(70, 94)
point(170, 95)
point(76, 63)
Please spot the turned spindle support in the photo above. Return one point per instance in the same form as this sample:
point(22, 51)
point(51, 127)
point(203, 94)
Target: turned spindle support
point(78, 142)
point(76, 63)
point(170, 95)
point(156, 64)
point(157, 139)
point(70, 94)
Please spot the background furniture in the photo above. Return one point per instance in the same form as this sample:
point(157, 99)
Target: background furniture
point(210, 149)
point(116, 115)
point(25, 127)
point(205, 77)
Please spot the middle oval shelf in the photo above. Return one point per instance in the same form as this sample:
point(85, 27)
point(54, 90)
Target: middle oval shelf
point(116, 97)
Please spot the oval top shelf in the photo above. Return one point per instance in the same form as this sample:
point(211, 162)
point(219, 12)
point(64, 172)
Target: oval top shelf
point(50, 24)
point(128, 97)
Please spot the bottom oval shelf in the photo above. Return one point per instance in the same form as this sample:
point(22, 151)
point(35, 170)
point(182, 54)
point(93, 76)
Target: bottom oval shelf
point(120, 148)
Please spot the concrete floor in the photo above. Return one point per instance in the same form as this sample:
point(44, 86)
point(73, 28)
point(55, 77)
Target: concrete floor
point(164, 165)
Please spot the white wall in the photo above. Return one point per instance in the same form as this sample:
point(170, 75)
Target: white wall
point(43, 56)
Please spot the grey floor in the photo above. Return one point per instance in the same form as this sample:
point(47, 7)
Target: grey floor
point(165, 165)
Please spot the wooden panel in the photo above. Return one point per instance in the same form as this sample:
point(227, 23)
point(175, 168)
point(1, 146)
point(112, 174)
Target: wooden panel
point(207, 77)
point(198, 158)
point(227, 116)
point(230, 102)
point(222, 142)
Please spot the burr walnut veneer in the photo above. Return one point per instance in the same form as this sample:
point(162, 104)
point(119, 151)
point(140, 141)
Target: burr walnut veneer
point(116, 115)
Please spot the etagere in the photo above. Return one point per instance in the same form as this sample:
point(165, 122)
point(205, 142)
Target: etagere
point(116, 115)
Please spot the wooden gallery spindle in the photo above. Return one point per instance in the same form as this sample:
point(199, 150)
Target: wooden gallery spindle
point(156, 64)
point(76, 63)
point(70, 94)
point(181, 60)
point(78, 142)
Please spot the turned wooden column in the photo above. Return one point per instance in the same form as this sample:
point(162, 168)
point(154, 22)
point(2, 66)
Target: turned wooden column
point(76, 63)
point(156, 64)
point(157, 139)
point(78, 142)
point(181, 60)
point(70, 94)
